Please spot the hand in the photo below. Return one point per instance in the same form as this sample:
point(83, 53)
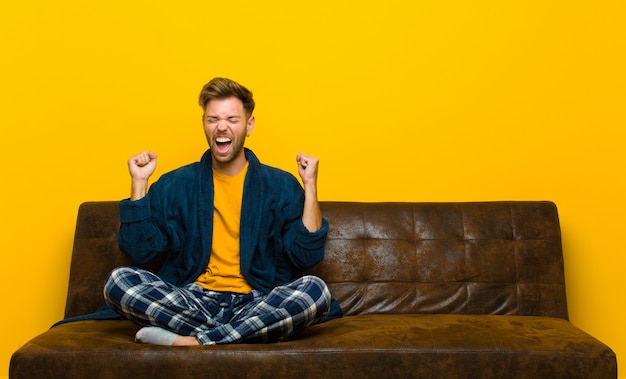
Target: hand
point(307, 169)
point(142, 165)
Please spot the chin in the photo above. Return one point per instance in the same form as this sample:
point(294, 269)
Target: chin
point(225, 159)
point(222, 159)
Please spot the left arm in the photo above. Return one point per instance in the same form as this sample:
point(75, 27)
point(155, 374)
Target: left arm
point(311, 213)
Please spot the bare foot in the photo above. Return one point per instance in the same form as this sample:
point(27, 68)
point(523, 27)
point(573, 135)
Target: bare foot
point(185, 341)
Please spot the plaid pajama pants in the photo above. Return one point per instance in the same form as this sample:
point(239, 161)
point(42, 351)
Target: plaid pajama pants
point(217, 317)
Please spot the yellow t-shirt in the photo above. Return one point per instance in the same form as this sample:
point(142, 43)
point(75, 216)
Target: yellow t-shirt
point(224, 271)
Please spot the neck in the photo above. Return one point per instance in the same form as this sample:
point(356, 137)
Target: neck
point(230, 168)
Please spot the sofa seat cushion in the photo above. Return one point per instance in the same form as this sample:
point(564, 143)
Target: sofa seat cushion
point(366, 346)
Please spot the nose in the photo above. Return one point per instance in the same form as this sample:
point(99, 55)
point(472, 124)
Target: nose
point(221, 124)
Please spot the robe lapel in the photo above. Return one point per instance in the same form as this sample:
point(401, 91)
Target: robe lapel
point(204, 207)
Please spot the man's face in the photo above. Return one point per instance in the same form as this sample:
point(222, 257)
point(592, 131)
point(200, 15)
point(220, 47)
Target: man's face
point(226, 126)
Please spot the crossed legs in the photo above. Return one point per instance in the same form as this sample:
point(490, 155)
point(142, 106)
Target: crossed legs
point(190, 315)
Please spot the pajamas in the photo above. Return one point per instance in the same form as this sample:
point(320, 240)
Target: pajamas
point(217, 317)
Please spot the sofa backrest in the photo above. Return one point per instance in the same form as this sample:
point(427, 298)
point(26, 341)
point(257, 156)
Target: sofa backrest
point(470, 258)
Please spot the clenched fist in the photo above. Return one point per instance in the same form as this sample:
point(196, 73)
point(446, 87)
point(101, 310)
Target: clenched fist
point(307, 168)
point(141, 167)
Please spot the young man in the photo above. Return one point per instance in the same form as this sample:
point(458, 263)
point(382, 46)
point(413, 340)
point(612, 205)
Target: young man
point(232, 228)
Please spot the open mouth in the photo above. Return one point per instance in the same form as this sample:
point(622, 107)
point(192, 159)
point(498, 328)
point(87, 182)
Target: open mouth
point(223, 144)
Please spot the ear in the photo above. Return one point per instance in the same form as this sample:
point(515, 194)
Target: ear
point(251, 122)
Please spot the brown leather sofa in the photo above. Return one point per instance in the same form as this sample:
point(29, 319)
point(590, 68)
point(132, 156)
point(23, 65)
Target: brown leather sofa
point(428, 290)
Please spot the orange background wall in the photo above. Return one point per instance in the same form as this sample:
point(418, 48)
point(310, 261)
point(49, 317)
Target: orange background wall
point(402, 101)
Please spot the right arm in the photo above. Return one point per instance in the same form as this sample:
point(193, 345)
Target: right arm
point(139, 236)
